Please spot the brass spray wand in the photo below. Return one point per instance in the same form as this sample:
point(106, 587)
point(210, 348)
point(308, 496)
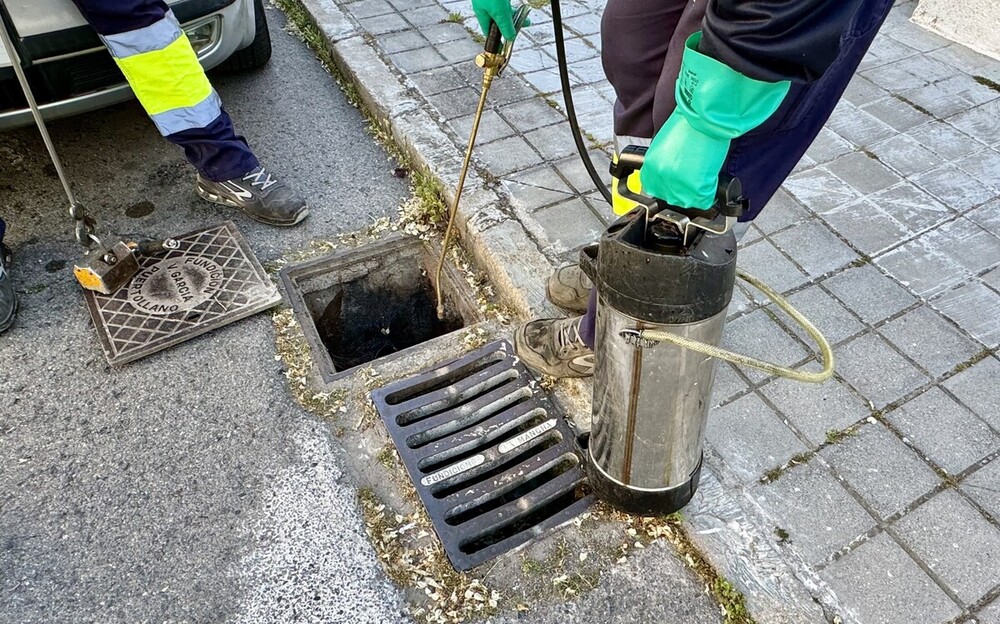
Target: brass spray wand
point(493, 59)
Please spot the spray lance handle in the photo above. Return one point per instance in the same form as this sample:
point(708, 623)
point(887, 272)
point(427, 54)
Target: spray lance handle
point(730, 203)
point(497, 50)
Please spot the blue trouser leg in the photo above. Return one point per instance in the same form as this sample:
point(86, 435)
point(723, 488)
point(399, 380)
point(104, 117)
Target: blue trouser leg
point(762, 158)
point(3, 228)
point(205, 132)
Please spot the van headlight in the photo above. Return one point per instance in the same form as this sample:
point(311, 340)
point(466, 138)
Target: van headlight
point(203, 35)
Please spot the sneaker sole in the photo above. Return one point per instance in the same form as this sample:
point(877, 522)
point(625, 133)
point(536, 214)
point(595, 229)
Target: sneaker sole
point(223, 201)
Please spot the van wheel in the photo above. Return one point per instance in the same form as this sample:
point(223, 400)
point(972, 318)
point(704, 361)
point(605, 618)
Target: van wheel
point(258, 53)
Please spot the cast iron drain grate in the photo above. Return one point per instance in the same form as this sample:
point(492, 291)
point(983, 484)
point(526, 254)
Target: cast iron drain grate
point(492, 458)
point(212, 280)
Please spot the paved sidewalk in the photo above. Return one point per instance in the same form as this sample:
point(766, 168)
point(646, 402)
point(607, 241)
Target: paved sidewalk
point(880, 489)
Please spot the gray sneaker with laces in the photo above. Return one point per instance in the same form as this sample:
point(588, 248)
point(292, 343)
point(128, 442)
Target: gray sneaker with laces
point(8, 298)
point(553, 347)
point(259, 194)
point(569, 288)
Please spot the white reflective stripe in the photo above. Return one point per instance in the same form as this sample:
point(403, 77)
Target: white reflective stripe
point(198, 116)
point(156, 36)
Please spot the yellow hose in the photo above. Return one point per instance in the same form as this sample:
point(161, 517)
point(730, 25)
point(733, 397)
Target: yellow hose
point(745, 360)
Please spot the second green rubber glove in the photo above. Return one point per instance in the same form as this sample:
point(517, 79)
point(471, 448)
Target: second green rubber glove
point(715, 104)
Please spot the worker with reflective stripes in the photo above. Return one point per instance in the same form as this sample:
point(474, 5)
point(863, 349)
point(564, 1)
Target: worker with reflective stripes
point(160, 65)
point(741, 87)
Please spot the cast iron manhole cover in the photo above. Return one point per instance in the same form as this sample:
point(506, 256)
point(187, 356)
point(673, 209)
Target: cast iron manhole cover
point(492, 458)
point(211, 281)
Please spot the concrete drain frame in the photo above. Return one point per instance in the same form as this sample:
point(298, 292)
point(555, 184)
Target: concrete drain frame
point(491, 456)
point(397, 263)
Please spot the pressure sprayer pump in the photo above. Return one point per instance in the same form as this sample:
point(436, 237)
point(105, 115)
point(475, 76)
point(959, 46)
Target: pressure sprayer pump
point(663, 274)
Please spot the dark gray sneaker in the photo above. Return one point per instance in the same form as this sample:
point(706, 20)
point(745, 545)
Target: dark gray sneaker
point(569, 288)
point(260, 195)
point(8, 298)
point(553, 347)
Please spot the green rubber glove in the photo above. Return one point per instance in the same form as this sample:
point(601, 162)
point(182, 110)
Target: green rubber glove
point(715, 104)
point(500, 12)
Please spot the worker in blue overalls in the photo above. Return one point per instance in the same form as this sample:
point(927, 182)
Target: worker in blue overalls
point(156, 57)
point(711, 86)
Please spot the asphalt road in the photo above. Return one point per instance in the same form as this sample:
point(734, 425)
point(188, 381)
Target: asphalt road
point(188, 486)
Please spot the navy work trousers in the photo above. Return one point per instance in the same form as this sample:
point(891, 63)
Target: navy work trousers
point(642, 44)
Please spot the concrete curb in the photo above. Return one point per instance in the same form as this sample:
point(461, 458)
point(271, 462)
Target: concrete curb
point(509, 244)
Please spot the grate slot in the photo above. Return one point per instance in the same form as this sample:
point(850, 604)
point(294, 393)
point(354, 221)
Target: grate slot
point(492, 458)
point(463, 393)
point(524, 514)
point(512, 491)
point(457, 447)
point(494, 467)
point(444, 377)
point(471, 414)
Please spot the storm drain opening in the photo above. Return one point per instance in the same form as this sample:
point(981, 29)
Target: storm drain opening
point(373, 302)
point(491, 456)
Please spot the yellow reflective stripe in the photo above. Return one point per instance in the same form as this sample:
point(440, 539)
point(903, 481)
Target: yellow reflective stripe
point(619, 204)
point(167, 79)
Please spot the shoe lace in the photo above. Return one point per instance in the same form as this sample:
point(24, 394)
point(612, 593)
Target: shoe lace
point(260, 178)
point(569, 338)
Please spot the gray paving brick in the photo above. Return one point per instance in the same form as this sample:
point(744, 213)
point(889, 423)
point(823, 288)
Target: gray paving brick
point(815, 248)
point(418, 60)
point(545, 80)
point(863, 172)
point(509, 90)
point(917, 37)
point(573, 170)
point(897, 113)
point(465, 51)
point(885, 51)
point(976, 388)
point(401, 42)
point(992, 279)
point(984, 166)
point(956, 542)
point(553, 142)
point(780, 212)
point(869, 294)
point(443, 33)
point(815, 409)
point(866, 226)
point(584, 24)
point(926, 67)
point(425, 16)
point(758, 335)
point(990, 613)
point(918, 266)
point(491, 127)
point(956, 188)
point(435, 81)
point(764, 261)
point(406, 5)
point(969, 89)
point(859, 127)
point(828, 145)
point(861, 91)
point(987, 216)
point(905, 155)
point(831, 318)
point(880, 374)
point(929, 340)
point(508, 155)
point(911, 207)
point(805, 163)
point(967, 244)
point(750, 437)
point(457, 103)
point(531, 59)
point(883, 585)
point(820, 516)
point(538, 187)
point(369, 8)
point(819, 190)
point(944, 140)
point(937, 101)
point(384, 24)
point(892, 76)
point(982, 486)
point(974, 307)
point(569, 225)
point(740, 301)
point(943, 431)
point(883, 470)
point(728, 383)
point(579, 49)
point(970, 62)
point(530, 114)
point(980, 122)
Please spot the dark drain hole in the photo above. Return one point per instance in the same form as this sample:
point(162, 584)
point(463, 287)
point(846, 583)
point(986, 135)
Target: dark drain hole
point(445, 380)
point(508, 401)
point(363, 321)
point(457, 400)
point(512, 491)
point(499, 435)
point(473, 478)
point(522, 523)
